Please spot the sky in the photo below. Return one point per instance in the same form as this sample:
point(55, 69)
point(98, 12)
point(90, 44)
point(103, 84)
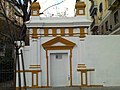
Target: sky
point(64, 9)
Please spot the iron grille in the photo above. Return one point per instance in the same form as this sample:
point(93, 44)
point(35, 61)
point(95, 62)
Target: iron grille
point(6, 69)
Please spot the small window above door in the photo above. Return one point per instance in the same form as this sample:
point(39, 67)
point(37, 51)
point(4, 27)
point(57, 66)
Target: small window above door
point(58, 56)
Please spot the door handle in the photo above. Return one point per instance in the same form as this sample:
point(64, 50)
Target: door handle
point(68, 77)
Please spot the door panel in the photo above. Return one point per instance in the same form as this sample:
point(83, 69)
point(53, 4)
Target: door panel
point(59, 69)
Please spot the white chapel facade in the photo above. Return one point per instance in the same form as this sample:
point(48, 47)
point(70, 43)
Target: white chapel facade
point(56, 54)
point(53, 51)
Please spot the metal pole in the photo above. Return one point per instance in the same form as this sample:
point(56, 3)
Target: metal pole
point(15, 59)
point(19, 76)
point(23, 70)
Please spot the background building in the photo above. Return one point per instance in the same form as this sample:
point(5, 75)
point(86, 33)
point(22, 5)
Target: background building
point(105, 15)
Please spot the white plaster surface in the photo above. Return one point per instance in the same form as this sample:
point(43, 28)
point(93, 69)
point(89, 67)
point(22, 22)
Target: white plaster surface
point(98, 52)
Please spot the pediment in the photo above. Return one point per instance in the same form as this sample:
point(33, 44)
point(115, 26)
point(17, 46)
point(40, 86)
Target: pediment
point(58, 42)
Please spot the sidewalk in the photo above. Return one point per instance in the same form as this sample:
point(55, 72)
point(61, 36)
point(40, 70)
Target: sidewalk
point(78, 88)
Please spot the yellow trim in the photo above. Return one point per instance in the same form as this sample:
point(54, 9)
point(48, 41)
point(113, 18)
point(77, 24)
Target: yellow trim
point(47, 68)
point(58, 47)
point(29, 71)
point(48, 46)
point(84, 84)
point(32, 72)
point(34, 33)
point(81, 66)
point(84, 71)
point(62, 31)
point(35, 7)
point(70, 31)
point(80, 6)
point(54, 31)
point(46, 31)
point(71, 67)
point(34, 65)
point(82, 32)
point(33, 80)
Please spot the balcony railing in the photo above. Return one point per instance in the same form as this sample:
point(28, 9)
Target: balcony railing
point(93, 9)
point(94, 25)
point(112, 4)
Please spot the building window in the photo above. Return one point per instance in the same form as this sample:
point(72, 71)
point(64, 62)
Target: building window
point(106, 25)
point(100, 7)
point(116, 18)
point(110, 28)
point(102, 29)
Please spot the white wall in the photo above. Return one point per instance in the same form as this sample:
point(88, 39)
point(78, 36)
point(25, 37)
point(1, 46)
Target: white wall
point(99, 52)
point(103, 54)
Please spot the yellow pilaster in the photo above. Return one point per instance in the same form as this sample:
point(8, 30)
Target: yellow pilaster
point(54, 31)
point(46, 31)
point(70, 31)
point(82, 32)
point(62, 31)
point(34, 33)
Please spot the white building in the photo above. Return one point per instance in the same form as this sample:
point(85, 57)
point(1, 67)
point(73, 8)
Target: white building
point(60, 49)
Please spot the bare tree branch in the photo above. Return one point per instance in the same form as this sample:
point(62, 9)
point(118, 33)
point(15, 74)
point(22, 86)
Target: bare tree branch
point(34, 0)
point(6, 35)
point(20, 2)
point(13, 22)
point(15, 3)
point(53, 5)
point(20, 5)
point(6, 19)
point(30, 1)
